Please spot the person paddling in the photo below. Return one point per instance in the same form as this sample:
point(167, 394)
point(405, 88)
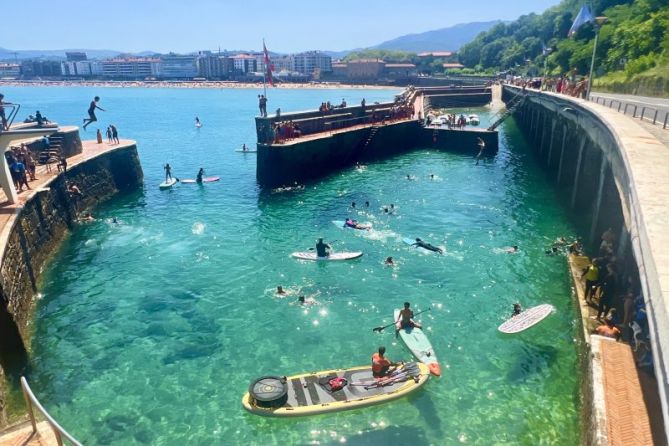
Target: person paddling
point(168, 171)
point(427, 246)
point(405, 319)
point(200, 174)
point(322, 249)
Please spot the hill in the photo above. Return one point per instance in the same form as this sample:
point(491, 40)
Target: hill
point(444, 39)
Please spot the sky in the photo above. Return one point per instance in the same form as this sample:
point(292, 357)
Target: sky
point(191, 25)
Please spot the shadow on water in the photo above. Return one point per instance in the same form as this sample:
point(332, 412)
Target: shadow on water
point(428, 410)
point(533, 359)
point(390, 435)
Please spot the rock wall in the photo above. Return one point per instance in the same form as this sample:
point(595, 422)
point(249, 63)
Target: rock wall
point(37, 231)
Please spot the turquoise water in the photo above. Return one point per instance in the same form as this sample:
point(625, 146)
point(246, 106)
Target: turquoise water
point(149, 332)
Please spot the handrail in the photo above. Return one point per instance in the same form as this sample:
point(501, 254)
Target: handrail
point(12, 114)
point(642, 116)
point(31, 400)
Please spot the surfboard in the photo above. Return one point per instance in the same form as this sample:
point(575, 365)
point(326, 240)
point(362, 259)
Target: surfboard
point(409, 241)
point(204, 180)
point(341, 224)
point(198, 125)
point(419, 346)
point(246, 151)
point(168, 183)
point(310, 255)
point(526, 319)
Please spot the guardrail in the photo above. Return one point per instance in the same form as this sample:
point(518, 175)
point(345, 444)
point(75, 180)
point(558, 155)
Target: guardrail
point(649, 114)
point(32, 403)
point(9, 119)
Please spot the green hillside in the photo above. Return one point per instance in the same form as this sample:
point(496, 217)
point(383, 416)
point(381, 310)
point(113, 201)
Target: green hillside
point(633, 48)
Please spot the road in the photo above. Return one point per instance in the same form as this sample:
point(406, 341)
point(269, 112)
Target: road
point(650, 104)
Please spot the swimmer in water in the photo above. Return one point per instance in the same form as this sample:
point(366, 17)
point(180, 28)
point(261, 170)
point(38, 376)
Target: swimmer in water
point(389, 261)
point(432, 176)
point(511, 250)
point(427, 246)
point(197, 122)
point(306, 300)
point(366, 204)
point(280, 291)
point(516, 310)
point(353, 204)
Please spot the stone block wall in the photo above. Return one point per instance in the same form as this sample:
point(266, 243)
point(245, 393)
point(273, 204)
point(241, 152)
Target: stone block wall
point(37, 231)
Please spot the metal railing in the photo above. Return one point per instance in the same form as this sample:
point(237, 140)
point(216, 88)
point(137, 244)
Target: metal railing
point(14, 110)
point(644, 113)
point(32, 403)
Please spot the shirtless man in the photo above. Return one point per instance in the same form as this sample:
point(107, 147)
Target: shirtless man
point(91, 111)
point(405, 319)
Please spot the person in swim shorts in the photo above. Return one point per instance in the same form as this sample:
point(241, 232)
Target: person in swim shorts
point(91, 111)
point(405, 319)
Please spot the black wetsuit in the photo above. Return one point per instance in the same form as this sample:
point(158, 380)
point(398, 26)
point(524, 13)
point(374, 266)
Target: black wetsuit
point(428, 246)
point(321, 249)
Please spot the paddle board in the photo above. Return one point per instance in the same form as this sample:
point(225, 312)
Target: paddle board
point(204, 180)
point(311, 255)
point(409, 241)
point(309, 393)
point(245, 151)
point(168, 183)
point(419, 345)
point(526, 319)
point(198, 125)
point(342, 224)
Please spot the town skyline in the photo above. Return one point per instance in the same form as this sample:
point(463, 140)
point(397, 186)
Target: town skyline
point(236, 26)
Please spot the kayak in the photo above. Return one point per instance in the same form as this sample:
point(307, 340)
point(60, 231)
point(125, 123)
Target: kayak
point(419, 345)
point(342, 224)
point(204, 180)
point(167, 183)
point(310, 255)
point(321, 392)
point(526, 319)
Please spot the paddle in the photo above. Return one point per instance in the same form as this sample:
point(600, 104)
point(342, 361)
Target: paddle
point(380, 329)
point(333, 241)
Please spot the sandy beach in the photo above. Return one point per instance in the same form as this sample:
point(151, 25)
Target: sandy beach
point(184, 84)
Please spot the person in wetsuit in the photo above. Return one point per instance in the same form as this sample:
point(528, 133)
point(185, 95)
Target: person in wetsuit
point(516, 310)
point(91, 111)
point(427, 246)
point(168, 171)
point(322, 248)
point(200, 174)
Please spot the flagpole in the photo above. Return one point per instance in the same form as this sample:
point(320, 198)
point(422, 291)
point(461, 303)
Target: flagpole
point(264, 71)
point(592, 63)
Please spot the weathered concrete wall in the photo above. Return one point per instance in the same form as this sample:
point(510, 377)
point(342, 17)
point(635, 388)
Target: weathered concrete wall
point(34, 234)
point(612, 174)
point(281, 165)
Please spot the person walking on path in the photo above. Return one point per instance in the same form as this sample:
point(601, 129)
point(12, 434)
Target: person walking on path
point(91, 112)
point(114, 131)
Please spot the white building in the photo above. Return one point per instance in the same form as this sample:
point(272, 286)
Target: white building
point(311, 61)
point(245, 63)
point(130, 67)
point(177, 66)
point(10, 70)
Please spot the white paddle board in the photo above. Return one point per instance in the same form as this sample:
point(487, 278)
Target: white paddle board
point(419, 346)
point(526, 319)
point(310, 255)
point(204, 180)
point(245, 151)
point(168, 183)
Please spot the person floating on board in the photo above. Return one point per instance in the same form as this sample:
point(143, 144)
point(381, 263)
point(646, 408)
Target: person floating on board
point(427, 246)
point(200, 174)
point(91, 111)
point(380, 364)
point(322, 249)
point(244, 148)
point(168, 171)
point(350, 223)
point(405, 319)
point(516, 310)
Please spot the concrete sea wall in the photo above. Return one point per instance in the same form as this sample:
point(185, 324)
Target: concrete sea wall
point(612, 174)
point(33, 233)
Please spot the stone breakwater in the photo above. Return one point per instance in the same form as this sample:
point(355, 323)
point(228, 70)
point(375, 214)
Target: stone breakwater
point(33, 232)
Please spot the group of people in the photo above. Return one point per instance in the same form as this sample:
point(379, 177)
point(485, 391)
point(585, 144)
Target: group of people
point(326, 107)
point(22, 166)
point(566, 84)
point(287, 130)
point(381, 365)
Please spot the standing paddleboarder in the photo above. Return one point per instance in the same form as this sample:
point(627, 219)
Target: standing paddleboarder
point(168, 171)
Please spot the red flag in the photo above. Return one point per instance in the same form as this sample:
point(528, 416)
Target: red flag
point(268, 65)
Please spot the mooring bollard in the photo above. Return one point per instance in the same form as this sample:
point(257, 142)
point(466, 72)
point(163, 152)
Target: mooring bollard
point(655, 117)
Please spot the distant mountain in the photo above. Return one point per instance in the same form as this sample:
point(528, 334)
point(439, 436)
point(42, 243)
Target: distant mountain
point(444, 39)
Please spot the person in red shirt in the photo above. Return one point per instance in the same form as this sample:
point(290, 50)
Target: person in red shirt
point(380, 364)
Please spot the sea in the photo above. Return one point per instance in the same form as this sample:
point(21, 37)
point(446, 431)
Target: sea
point(149, 331)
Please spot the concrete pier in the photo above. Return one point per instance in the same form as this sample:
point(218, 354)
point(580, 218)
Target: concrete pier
point(332, 141)
point(612, 174)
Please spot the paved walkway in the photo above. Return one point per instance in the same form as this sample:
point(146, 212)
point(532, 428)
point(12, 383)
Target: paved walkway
point(632, 409)
point(45, 174)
